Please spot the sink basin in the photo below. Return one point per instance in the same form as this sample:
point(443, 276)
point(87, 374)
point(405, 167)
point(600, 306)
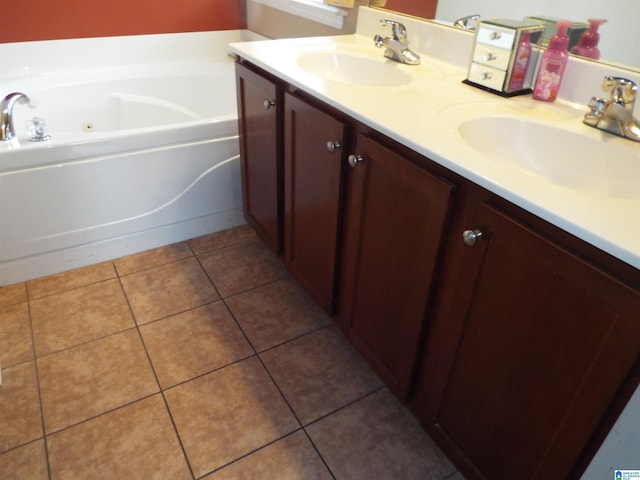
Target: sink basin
point(356, 69)
point(562, 156)
point(560, 150)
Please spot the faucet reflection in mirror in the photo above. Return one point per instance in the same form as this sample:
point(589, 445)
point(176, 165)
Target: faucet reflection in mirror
point(620, 36)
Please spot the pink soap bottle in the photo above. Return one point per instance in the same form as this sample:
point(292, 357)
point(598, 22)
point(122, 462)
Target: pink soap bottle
point(553, 64)
point(521, 64)
point(588, 45)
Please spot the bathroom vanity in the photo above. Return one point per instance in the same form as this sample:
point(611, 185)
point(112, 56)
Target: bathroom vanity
point(514, 340)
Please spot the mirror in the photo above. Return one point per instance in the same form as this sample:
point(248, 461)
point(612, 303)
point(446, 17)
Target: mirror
point(619, 37)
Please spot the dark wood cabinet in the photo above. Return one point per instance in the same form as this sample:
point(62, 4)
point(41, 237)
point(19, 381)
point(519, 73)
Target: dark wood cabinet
point(394, 226)
point(315, 143)
point(516, 352)
point(532, 353)
point(260, 125)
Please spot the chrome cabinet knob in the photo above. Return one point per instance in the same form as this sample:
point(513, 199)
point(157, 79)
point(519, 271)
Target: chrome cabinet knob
point(333, 146)
point(471, 237)
point(354, 160)
point(269, 103)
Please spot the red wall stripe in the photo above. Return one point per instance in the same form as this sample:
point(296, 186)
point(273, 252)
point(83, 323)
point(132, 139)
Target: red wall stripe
point(419, 8)
point(50, 20)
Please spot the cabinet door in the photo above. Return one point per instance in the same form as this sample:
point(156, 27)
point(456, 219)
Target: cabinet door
point(546, 342)
point(394, 225)
point(260, 150)
point(314, 146)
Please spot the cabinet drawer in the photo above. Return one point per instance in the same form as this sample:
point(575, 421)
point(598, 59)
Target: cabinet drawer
point(496, 37)
point(492, 56)
point(487, 76)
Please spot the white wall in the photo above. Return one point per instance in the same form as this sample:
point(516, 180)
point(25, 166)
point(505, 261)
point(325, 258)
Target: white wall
point(619, 38)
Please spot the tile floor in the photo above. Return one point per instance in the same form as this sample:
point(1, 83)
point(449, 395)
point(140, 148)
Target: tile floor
point(201, 359)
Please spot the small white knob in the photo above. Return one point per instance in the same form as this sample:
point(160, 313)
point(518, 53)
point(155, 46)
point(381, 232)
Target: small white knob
point(269, 103)
point(471, 237)
point(354, 160)
point(333, 146)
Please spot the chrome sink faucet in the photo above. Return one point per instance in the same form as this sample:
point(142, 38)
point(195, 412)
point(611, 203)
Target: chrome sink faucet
point(615, 114)
point(397, 46)
point(7, 131)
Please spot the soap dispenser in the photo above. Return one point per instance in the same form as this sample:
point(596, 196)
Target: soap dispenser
point(588, 46)
point(553, 64)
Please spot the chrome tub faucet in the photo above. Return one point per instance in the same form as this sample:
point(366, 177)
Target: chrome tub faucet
point(7, 131)
point(397, 46)
point(615, 114)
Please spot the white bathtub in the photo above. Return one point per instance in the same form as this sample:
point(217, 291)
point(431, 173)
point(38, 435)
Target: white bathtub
point(143, 149)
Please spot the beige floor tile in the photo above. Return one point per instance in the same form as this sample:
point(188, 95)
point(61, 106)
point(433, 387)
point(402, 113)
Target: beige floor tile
point(13, 294)
point(20, 419)
point(377, 438)
point(134, 442)
point(275, 313)
point(292, 458)
point(68, 318)
point(70, 279)
point(319, 373)
point(152, 258)
point(228, 413)
point(168, 289)
point(192, 343)
point(28, 462)
point(221, 239)
point(242, 266)
point(93, 378)
point(15, 335)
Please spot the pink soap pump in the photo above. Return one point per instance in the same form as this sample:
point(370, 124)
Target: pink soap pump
point(553, 63)
point(588, 45)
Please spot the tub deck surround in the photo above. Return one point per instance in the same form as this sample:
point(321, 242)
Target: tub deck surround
point(412, 114)
point(143, 153)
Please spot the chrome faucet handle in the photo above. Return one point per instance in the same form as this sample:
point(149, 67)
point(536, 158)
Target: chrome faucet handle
point(597, 105)
point(398, 30)
point(623, 91)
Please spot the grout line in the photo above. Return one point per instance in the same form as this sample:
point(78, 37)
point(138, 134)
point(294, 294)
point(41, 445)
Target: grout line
point(347, 405)
point(71, 347)
point(293, 339)
point(315, 447)
point(155, 375)
point(35, 363)
point(245, 455)
point(76, 287)
point(208, 276)
point(164, 263)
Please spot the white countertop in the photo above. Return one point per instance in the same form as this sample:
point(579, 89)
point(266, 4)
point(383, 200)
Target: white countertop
point(423, 116)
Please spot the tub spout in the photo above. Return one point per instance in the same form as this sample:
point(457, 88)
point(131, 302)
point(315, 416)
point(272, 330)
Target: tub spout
point(7, 131)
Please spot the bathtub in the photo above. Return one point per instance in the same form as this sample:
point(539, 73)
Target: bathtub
point(143, 149)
